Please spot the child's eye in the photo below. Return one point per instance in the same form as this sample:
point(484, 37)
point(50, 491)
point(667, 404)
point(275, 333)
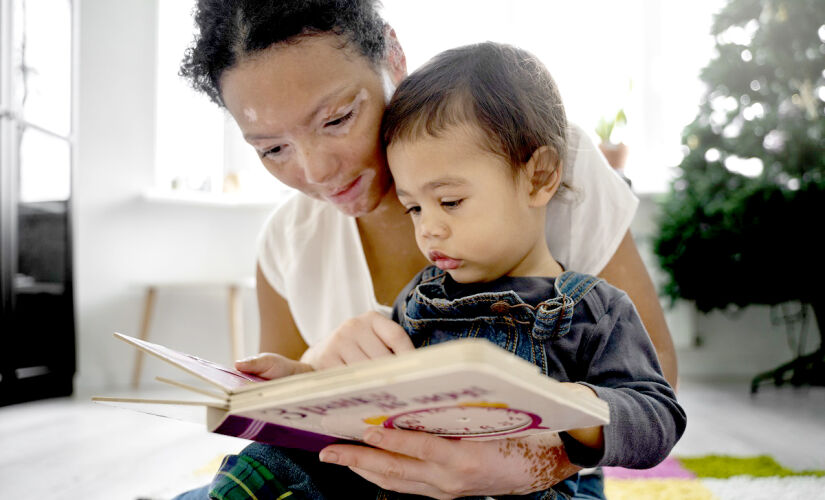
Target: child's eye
point(451, 203)
point(340, 120)
point(414, 210)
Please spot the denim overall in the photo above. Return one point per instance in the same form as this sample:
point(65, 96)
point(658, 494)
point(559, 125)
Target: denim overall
point(430, 317)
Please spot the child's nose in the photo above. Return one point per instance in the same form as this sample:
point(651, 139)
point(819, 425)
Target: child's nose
point(431, 226)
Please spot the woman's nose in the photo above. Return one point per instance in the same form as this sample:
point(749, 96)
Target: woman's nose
point(318, 166)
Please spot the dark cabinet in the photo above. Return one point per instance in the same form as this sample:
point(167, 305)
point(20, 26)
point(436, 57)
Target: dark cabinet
point(37, 326)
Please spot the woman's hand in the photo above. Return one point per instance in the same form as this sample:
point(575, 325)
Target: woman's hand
point(364, 337)
point(423, 464)
point(269, 366)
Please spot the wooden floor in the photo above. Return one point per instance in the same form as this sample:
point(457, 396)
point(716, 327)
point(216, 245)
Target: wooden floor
point(70, 448)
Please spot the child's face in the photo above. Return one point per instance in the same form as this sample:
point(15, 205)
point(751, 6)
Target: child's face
point(472, 217)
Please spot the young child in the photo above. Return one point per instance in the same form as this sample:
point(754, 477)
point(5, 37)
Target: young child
point(475, 142)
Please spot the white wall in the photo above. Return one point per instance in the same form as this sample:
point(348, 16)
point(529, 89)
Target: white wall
point(123, 241)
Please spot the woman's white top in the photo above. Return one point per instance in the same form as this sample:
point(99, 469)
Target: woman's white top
point(311, 253)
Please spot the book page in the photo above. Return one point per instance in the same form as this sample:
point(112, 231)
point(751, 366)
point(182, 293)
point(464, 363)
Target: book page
point(227, 379)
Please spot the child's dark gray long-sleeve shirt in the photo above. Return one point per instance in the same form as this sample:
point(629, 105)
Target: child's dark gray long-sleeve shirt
point(606, 348)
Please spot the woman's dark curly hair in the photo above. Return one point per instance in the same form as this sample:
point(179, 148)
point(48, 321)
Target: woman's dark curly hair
point(229, 30)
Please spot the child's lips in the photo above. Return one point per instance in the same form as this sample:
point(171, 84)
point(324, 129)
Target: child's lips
point(443, 262)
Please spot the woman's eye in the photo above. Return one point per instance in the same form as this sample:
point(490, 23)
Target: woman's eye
point(413, 210)
point(272, 152)
point(340, 120)
point(451, 203)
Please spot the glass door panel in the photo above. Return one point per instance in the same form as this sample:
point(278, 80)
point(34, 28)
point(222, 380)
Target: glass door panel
point(42, 63)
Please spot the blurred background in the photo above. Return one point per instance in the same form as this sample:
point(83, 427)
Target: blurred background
point(130, 200)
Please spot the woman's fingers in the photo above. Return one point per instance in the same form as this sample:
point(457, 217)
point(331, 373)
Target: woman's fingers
point(377, 461)
point(391, 334)
point(405, 460)
point(400, 485)
point(368, 336)
point(420, 445)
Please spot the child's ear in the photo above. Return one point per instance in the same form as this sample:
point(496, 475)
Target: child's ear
point(545, 172)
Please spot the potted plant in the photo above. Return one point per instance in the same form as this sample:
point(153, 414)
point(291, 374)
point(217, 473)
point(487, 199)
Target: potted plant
point(615, 151)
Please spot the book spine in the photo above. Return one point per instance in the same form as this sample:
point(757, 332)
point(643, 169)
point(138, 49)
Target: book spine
point(278, 435)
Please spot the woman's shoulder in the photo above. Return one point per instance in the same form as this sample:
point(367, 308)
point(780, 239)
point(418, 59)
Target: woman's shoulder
point(297, 213)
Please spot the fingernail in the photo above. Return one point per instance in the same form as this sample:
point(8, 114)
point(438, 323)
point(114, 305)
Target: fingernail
point(246, 360)
point(329, 457)
point(373, 437)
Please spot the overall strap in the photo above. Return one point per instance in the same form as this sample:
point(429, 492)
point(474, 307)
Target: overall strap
point(575, 285)
point(553, 317)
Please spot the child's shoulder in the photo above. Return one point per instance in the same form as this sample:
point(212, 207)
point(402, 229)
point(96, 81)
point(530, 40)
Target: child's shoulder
point(603, 298)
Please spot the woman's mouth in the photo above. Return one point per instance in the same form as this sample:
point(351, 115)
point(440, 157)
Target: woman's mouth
point(347, 193)
point(442, 261)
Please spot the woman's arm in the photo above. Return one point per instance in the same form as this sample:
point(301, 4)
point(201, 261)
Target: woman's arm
point(626, 271)
point(278, 331)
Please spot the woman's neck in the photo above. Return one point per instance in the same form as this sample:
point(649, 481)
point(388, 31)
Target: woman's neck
point(389, 211)
point(388, 239)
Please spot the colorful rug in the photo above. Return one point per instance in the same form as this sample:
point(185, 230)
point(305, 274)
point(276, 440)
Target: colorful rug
point(715, 477)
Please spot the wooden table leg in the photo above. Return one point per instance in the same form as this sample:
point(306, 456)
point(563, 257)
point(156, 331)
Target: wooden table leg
point(148, 305)
point(236, 336)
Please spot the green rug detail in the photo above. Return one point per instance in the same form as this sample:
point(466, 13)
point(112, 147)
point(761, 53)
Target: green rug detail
point(724, 467)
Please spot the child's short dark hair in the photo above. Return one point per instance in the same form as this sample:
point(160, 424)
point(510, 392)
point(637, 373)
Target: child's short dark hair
point(228, 30)
point(504, 89)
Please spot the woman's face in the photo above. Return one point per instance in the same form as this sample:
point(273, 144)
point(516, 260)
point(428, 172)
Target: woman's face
point(312, 110)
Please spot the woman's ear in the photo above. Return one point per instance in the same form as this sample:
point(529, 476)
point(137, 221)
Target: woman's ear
point(394, 56)
point(545, 173)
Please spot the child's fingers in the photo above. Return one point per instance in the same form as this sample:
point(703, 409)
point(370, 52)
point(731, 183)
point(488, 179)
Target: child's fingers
point(270, 366)
point(253, 364)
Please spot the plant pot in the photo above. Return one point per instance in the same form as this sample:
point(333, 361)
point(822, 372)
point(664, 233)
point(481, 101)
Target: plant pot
point(616, 154)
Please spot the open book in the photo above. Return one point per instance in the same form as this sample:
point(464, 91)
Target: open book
point(463, 389)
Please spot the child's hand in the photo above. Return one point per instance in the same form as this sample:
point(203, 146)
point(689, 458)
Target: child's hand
point(269, 366)
point(364, 337)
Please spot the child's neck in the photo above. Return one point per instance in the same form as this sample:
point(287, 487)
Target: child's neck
point(538, 262)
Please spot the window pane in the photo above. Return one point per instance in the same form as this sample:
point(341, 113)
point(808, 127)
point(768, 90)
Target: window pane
point(42, 62)
point(45, 167)
point(189, 129)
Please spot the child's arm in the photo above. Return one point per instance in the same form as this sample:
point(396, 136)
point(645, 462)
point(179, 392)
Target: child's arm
point(592, 437)
point(619, 364)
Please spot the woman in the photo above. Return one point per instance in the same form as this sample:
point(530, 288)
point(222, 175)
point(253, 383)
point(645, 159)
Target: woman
point(307, 83)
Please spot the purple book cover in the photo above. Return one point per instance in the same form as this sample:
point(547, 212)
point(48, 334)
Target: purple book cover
point(268, 433)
